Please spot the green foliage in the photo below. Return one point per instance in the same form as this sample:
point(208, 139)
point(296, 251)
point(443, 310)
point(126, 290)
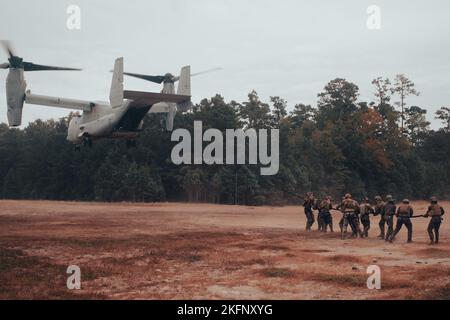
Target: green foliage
point(343, 145)
point(443, 114)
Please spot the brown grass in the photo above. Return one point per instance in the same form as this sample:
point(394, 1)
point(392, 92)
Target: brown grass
point(433, 252)
point(429, 273)
point(178, 251)
point(37, 278)
point(272, 247)
point(347, 280)
point(355, 280)
point(441, 293)
point(314, 250)
point(343, 258)
point(245, 264)
point(278, 273)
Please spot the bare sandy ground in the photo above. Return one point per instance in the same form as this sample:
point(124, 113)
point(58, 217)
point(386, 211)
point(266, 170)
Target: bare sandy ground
point(187, 251)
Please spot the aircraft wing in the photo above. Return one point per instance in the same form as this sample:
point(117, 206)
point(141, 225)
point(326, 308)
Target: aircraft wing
point(132, 118)
point(143, 102)
point(151, 98)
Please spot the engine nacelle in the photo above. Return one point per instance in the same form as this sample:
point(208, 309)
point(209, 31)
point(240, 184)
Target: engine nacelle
point(15, 96)
point(73, 132)
point(100, 127)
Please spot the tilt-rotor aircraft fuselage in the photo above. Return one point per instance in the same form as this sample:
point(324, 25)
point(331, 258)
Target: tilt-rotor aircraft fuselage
point(121, 118)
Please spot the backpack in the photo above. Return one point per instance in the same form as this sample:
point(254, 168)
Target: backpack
point(434, 210)
point(404, 210)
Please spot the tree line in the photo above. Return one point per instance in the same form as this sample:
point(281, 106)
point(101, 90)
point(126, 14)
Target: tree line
point(341, 145)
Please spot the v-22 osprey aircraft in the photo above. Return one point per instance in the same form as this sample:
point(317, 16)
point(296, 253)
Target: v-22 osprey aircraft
point(121, 118)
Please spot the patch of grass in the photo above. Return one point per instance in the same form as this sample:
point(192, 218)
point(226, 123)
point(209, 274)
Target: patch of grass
point(278, 273)
point(90, 273)
point(442, 293)
point(345, 258)
point(348, 280)
point(241, 264)
point(434, 252)
point(30, 277)
point(315, 250)
point(356, 280)
point(244, 245)
point(433, 272)
point(272, 247)
point(202, 235)
point(194, 247)
point(192, 258)
point(391, 283)
point(255, 261)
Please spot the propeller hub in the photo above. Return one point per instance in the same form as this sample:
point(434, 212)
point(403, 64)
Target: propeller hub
point(168, 77)
point(15, 62)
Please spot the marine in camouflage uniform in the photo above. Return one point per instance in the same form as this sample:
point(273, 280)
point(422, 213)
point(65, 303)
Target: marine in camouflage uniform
point(341, 222)
point(308, 204)
point(325, 208)
point(389, 211)
point(379, 206)
point(435, 211)
point(365, 210)
point(404, 214)
point(320, 221)
point(350, 208)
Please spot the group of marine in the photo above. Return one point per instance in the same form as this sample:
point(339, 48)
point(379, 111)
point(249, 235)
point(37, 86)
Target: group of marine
point(355, 215)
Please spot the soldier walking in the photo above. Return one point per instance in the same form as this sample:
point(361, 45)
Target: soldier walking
point(341, 222)
point(320, 222)
point(325, 208)
point(365, 210)
point(404, 214)
point(350, 209)
point(435, 211)
point(389, 211)
point(379, 207)
point(308, 204)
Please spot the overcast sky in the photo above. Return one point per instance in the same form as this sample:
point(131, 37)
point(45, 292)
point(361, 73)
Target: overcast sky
point(288, 48)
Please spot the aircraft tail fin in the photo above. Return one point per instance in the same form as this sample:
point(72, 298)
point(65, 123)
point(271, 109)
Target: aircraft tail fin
point(184, 88)
point(116, 93)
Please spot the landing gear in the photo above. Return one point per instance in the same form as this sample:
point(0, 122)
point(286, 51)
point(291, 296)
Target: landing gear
point(131, 144)
point(87, 141)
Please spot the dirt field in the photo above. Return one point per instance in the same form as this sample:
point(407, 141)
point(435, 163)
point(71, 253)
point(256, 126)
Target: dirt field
point(183, 251)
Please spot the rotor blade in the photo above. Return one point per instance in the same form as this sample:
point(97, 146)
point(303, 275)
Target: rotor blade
point(199, 73)
point(155, 79)
point(29, 66)
point(7, 47)
point(4, 66)
point(206, 71)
